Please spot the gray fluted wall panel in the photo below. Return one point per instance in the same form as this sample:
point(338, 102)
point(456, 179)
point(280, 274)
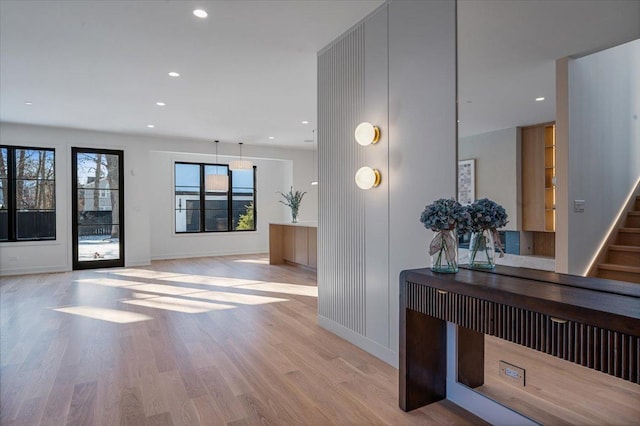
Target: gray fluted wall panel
point(341, 205)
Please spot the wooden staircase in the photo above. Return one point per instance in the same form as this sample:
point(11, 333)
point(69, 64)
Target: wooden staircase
point(622, 258)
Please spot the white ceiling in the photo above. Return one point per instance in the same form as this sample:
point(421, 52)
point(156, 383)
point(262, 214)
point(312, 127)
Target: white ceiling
point(248, 71)
point(507, 51)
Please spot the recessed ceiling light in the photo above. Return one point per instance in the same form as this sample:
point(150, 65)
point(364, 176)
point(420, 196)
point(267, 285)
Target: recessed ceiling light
point(271, 137)
point(151, 126)
point(160, 103)
point(28, 103)
point(539, 99)
point(200, 13)
point(174, 74)
point(305, 122)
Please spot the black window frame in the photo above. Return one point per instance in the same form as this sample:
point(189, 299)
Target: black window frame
point(202, 200)
point(11, 203)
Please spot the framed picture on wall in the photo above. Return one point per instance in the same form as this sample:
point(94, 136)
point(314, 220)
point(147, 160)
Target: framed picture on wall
point(466, 181)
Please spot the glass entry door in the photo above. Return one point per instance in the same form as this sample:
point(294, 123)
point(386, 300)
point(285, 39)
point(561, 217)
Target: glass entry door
point(98, 208)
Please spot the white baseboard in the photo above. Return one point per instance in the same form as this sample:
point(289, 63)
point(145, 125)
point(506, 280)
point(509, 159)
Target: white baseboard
point(169, 256)
point(128, 262)
point(137, 262)
point(5, 272)
point(364, 343)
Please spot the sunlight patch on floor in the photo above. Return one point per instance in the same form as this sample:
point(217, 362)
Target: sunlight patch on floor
point(215, 296)
point(210, 280)
point(178, 305)
point(237, 298)
point(140, 273)
point(111, 315)
point(171, 290)
point(257, 261)
point(109, 282)
point(142, 296)
point(218, 296)
point(295, 289)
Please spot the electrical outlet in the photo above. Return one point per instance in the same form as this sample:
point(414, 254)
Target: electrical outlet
point(514, 374)
point(578, 206)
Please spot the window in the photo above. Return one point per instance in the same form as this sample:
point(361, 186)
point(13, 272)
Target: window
point(200, 209)
point(27, 194)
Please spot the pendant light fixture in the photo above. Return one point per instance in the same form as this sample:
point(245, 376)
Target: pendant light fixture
point(215, 182)
point(240, 164)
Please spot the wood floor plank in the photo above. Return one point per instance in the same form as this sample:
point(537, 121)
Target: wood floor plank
point(207, 412)
point(237, 383)
point(14, 391)
point(339, 407)
point(30, 411)
point(60, 397)
point(272, 389)
point(206, 341)
point(153, 400)
point(259, 411)
point(162, 419)
point(224, 400)
point(181, 408)
point(192, 382)
point(108, 397)
point(131, 408)
point(83, 405)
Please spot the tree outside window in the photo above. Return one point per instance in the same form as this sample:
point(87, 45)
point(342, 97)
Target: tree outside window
point(27, 194)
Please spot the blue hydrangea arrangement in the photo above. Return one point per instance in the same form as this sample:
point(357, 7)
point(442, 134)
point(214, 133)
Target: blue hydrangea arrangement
point(485, 217)
point(444, 215)
point(485, 214)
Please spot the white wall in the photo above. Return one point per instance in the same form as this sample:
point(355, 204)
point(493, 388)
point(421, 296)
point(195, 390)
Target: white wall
point(142, 200)
point(422, 130)
point(396, 69)
point(271, 176)
point(604, 145)
point(497, 164)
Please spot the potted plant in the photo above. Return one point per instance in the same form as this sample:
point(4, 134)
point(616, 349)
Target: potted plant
point(293, 200)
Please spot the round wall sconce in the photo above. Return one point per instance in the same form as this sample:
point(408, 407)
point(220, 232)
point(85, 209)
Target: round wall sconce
point(367, 178)
point(367, 133)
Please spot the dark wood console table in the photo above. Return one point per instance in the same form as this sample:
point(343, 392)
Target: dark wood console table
point(589, 321)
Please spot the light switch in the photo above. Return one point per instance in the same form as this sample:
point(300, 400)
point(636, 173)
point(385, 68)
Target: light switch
point(578, 206)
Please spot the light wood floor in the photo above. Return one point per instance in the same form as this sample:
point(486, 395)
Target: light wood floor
point(226, 340)
point(558, 392)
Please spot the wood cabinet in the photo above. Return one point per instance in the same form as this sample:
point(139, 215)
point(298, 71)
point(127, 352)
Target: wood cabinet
point(288, 243)
point(538, 178)
point(295, 243)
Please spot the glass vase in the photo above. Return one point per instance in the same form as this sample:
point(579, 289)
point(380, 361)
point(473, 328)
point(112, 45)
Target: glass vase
point(482, 251)
point(294, 215)
point(444, 252)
